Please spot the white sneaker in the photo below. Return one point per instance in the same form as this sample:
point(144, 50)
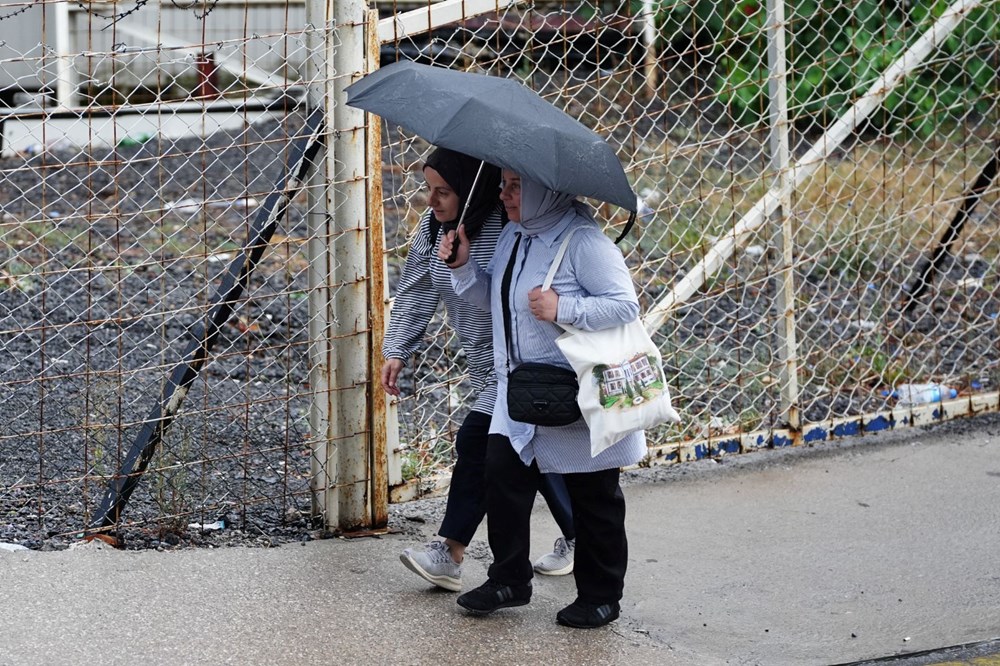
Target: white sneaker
point(434, 564)
point(560, 561)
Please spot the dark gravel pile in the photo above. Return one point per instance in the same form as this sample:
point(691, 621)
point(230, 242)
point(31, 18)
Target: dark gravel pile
point(110, 260)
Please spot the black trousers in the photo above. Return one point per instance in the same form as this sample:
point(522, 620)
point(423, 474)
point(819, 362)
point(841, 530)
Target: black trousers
point(598, 515)
point(466, 506)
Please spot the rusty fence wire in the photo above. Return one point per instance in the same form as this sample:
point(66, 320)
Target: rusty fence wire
point(876, 269)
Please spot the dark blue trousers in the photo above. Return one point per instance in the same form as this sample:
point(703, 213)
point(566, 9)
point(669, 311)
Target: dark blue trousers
point(467, 495)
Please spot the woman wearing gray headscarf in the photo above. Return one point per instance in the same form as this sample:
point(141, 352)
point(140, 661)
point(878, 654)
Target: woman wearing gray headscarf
point(422, 287)
point(592, 290)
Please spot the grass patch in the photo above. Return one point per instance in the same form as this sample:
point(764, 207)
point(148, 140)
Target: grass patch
point(16, 275)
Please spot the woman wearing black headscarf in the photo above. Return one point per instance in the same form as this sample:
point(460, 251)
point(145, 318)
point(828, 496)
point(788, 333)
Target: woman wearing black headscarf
point(425, 282)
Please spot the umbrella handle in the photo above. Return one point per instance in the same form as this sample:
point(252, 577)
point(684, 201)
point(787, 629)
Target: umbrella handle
point(468, 197)
point(461, 218)
point(454, 248)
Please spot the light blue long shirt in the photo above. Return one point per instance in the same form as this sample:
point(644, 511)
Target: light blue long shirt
point(595, 292)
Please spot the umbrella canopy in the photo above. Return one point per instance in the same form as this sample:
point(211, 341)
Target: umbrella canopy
point(497, 120)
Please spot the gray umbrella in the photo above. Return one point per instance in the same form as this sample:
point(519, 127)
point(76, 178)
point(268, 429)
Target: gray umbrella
point(497, 120)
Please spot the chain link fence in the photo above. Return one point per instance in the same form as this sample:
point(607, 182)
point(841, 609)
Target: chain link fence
point(886, 282)
point(134, 171)
point(137, 152)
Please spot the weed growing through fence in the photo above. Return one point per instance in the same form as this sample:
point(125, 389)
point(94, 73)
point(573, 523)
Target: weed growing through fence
point(171, 486)
point(16, 275)
point(411, 466)
point(750, 419)
point(103, 408)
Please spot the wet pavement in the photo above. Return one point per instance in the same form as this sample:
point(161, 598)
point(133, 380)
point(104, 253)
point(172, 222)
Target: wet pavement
point(860, 549)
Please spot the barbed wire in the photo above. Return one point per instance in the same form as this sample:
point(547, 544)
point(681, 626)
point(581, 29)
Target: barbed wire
point(209, 6)
point(22, 10)
point(113, 18)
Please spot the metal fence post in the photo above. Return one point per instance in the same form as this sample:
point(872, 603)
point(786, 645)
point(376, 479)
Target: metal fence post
point(385, 429)
point(649, 34)
point(777, 86)
point(344, 456)
point(65, 76)
point(352, 426)
point(322, 315)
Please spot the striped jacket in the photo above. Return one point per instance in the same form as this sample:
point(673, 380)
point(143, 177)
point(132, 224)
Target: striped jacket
point(423, 285)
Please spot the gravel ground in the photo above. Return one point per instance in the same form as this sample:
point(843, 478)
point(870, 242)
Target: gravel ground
point(117, 253)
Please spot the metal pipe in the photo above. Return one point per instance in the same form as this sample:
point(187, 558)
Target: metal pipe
point(433, 16)
point(322, 313)
point(352, 374)
point(929, 266)
point(649, 41)
point(777, 86)
point(208, 76)
point(385, 429)
point(65, 79)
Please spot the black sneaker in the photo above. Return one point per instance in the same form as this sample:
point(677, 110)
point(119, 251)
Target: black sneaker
point(583, 615)
point(492, 595)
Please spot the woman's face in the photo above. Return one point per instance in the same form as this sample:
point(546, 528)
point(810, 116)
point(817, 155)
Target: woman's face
point(443, 200)
point(510, 195)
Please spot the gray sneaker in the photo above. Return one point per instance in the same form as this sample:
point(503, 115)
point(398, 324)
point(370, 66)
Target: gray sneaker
point(560, 561)
point(434, 564)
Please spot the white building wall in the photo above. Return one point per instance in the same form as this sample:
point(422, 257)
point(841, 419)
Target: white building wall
point(261, 35)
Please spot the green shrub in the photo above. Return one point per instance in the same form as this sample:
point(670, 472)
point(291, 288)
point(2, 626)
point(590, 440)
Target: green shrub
point(835, 50)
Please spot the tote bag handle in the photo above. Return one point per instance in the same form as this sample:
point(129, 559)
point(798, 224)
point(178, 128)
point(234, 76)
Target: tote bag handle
point(558, 259)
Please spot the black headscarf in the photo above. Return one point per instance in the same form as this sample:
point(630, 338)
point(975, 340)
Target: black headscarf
point(459, 171)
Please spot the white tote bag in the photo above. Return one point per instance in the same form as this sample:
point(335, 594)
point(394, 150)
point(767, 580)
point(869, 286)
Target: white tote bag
point(620, 372)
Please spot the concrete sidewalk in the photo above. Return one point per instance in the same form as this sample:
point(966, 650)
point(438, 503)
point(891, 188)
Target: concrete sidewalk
point(851, 550)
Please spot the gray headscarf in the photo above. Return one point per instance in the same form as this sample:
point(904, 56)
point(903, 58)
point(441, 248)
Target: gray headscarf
point(542, 208)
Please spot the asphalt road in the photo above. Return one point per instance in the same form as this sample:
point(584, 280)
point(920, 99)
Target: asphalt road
point(863, 549)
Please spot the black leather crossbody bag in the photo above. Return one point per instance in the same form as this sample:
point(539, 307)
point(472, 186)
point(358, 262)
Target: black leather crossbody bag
point(537, 393)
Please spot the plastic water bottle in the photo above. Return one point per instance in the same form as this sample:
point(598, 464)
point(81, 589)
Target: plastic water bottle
point(916, 394)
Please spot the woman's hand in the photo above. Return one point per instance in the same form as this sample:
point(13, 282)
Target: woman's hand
point(543, 304)
point(390, 373)
point(447, 244)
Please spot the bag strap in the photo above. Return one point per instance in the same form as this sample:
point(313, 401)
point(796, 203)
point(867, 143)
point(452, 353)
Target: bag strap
point(508, 275)
point(558, 259)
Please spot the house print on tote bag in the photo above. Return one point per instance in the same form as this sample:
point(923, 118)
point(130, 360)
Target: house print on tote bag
point(629, 383)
